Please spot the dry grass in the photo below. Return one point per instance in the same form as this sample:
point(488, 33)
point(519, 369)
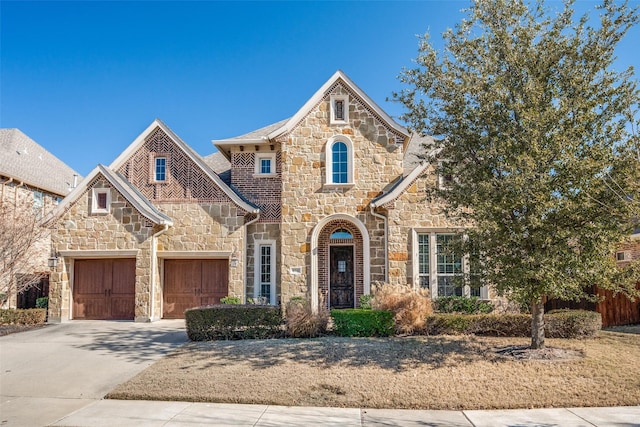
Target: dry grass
point(412, 372)
point(410, 306)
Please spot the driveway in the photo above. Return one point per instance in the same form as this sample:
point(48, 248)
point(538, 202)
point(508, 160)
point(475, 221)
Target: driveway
point(47, 373)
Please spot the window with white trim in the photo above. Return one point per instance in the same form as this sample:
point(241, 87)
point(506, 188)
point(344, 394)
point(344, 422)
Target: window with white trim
point(265, 270)
point(100, 200)
point(160, 169)
point(265, 164)
point(38, 203)
point(339, 109)
point(438, 268)
point(339, 161)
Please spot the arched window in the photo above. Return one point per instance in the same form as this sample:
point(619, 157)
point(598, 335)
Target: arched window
point(339, 161)
point(341, 233)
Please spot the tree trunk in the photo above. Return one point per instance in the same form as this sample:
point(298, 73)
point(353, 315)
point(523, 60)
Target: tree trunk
point(537, 324)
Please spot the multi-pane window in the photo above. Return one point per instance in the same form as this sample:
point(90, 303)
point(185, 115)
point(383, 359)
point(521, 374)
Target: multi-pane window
point(161, 169)
point(340, 163)
point(265, 272)
point(423, 260)
point(102, 201)
point(265, 165)
point(338, 109)
point(449, 266)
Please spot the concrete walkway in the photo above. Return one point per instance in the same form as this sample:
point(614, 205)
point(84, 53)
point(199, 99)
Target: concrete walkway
point(58, 375)
point(174, 414)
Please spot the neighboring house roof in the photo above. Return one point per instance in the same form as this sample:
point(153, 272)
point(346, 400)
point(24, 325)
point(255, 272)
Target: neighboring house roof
point(23, 159)
point(219, 163)
point(195, 157)
point(124, 187)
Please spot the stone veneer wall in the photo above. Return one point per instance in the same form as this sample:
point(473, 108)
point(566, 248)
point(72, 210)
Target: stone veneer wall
point(305, 198)
point(78, 230)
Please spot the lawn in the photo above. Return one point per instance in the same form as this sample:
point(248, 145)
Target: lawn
point(443, 372)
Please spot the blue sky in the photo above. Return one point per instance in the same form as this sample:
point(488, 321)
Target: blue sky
point(83, 79)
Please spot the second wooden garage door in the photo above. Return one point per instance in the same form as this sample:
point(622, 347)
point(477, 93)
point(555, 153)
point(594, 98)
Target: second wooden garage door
point(192, 283)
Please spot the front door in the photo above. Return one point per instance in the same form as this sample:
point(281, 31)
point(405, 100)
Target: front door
point(341, 290)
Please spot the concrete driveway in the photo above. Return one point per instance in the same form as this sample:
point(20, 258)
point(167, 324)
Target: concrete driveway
point(47, 373)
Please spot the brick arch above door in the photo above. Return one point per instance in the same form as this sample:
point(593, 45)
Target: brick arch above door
point(320, 253)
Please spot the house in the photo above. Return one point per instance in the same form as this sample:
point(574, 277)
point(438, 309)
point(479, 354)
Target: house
point(32, 182)
point(322, 204)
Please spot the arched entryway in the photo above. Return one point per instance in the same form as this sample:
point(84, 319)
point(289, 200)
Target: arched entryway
point(339, 261)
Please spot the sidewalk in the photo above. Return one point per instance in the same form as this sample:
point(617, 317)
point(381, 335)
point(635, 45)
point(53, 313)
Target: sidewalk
point(123, 413)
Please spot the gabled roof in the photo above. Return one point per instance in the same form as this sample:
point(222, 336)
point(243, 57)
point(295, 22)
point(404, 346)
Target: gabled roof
point(415, 152)
point(219, 163)
point(267, 133)
point(124, 187)
point(400, 186)
point(195, 157)
point(23, 159)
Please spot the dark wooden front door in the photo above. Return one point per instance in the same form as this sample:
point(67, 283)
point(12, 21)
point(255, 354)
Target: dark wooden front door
point(104, 289)
point(341, 291)
point(192, 283)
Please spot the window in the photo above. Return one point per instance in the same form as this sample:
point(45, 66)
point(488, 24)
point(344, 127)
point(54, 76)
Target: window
point(621, 256)
point(339, 109)
point(341, 233)
point(38, 203)
point(101, 200)
point(160, 169)
point(438, 269)
point(264, 273)
point(339, 156)
point(265, 164)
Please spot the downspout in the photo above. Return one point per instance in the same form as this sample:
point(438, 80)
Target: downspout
point(386, 246)
point(246, 248)
point(154, 251)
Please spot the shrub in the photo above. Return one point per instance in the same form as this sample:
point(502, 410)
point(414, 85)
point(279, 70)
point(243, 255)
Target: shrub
point(468, 305)
point(410, 306)
point(365, 301)
point(558, 324)
point(572, 324)
point(229, 299)
point(302, 322)
point(228, 322)
point(31, 316)
point(357, 322)
point(42, 302)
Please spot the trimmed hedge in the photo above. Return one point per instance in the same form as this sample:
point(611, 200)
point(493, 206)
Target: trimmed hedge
point(233, 322)
point(468, 305)
point(558, 324)
point(31, 316)
point(357, 322)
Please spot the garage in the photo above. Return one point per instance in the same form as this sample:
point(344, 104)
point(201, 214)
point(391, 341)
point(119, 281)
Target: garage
point(104, 289)
point(192, 283)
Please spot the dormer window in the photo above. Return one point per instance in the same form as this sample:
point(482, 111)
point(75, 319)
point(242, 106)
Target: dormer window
point(339, 155)
point(339, 109)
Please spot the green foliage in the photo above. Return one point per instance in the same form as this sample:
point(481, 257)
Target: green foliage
point(42, 302)
point(535, 124)
point(230, 322)
point(453, 304)
point(558, 324)
point(356, 322)
point(230, 299)
point(302, 322)
point(31, 316)
point(365, 301)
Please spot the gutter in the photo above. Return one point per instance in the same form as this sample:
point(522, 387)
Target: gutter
point(246, 248)
point(154, 251)
point(386, 246)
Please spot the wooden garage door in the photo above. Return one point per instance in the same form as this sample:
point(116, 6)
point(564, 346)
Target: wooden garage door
point(104, 289)
point(192, 283)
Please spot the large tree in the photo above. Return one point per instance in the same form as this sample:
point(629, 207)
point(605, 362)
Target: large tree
point(536, 126)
